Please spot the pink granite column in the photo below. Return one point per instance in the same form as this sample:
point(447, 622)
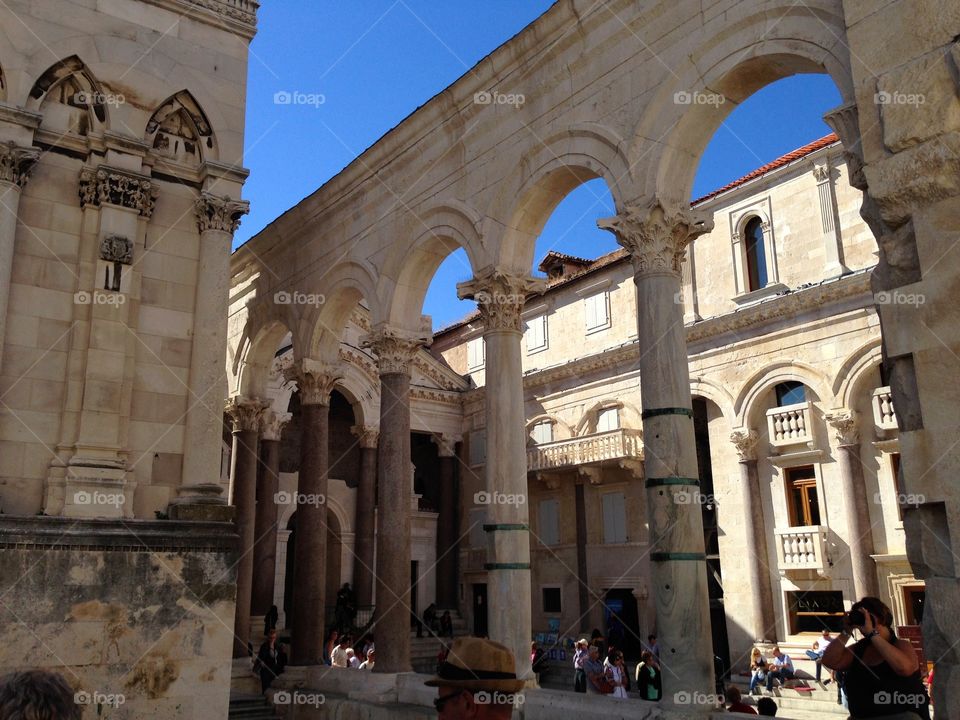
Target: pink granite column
point(447, 524)
point(265, 528)
point(365, 525)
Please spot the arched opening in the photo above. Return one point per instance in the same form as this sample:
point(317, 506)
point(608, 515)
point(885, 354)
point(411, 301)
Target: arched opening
point(70, 99)
point(179, 132)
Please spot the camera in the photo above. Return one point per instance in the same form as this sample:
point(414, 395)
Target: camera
point(857, 618)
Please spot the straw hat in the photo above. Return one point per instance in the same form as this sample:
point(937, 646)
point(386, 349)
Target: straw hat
point(478, 664)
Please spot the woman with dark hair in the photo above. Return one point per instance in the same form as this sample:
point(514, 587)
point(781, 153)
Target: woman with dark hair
point(882, 672)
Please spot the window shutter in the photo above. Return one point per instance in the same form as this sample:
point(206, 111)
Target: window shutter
point(614, 518)
point(549, 522)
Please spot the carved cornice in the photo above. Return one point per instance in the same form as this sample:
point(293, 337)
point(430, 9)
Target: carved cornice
point(845, 424)
point(16, 163)
point(220, 214)
point(394, 348)
point(500, 296)
point(745, 443)
point(428, 370)
point(449, 397)
point(315, 380)
point(656, 236)
point(235, 16)
point(367, 435)
point(246, 413)
point(106, 186)
point(272, 424)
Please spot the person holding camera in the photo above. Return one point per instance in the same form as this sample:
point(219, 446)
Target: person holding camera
point(882, 673)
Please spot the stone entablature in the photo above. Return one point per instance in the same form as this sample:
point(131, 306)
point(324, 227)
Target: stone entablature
point(239, 16)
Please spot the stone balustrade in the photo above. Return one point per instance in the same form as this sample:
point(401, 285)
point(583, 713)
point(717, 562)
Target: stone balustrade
point(802, 548)
point(610, 445)
point(884, 415)
point(789, 425)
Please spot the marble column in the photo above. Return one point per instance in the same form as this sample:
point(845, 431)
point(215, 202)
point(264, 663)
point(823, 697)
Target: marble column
point(763, 626)
point(859, 531)
point(16, 163)
point(315, 382)
point(265, 528)
point(447, 533)
point(365, 524)
point(395, 350)
point(500, 296)
point(656, 235)
point(217, 220)
point(246, 414)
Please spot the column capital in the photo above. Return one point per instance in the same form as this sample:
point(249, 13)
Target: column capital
point(845, 122)
point(221, 214)
point(246, 413)
point(16, 163)
point(315, 380)
point(745, 443)
point(367, 435)
point(656, 234)
point(500, 296)
point(105, 185)
point(446, 444)
point(272, 424)
point(395, 348)
point(845, 424)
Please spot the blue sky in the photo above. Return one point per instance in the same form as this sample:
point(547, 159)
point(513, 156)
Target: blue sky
point(354, 70)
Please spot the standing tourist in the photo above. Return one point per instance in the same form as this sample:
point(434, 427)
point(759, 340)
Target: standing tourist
point(648, 677)
point(613, 666)
point(579, 657)
point(598, 681)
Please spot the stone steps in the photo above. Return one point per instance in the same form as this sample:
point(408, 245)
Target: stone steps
point(250, 707)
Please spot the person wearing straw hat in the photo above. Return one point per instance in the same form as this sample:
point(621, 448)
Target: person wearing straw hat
point(477, 680)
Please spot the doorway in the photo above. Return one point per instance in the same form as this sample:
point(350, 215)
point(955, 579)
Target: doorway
point(621, 620)
point(480, 609)
point(914, 597)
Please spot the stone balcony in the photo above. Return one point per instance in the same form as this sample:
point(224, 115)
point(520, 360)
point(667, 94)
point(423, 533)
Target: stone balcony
point(790, 425)
point(802, 548)
point(614, 445)
point(884, 415)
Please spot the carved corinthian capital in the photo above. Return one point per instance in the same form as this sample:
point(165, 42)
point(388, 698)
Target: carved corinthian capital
point(656, 236)
point(272, 424)
point(366, 435)
point(845, 122)
point(500, 295)
point(219, 213)
point(394, 348)
point(16, 163)
point(246, 413)
point(315, 380)
point(107, 186)
point(845, 424)
point(745, 443)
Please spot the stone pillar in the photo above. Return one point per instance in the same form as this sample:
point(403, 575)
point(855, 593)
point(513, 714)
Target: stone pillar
point(217, 219)
point(656, 235)
point(246, 415)
point(16, 163)
point(859, 530)
point(447, 530)
point(763, 628)
point(395, 350)
point(315, 382)
point(583, 577)
point(365, 524)
point(265, 528)
point(500, 296)
point(832, 238)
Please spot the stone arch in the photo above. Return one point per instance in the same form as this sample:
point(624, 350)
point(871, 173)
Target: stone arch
point(715, 393)
point(566, 430)
point(70, 99)
point(860, 362)
point(265, 329)
point(356, 388)
point(761, 381)
point(667, 144)
point(446, 225)
point(545, 175)
point(628, 412)
point(179, 130)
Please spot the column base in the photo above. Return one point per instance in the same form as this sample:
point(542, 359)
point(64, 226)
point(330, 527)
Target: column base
point(200, 501)
point(96, 491)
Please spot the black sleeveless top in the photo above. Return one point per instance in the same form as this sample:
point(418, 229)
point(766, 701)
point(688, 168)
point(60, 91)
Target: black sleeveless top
point(877, 690)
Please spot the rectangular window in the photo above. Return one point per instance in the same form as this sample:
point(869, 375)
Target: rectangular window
point(608, 419)
point(478, 447)
point(476, 533)
point(549, 522)
point(542, 432)
point(614, 518)
point(475, 353)
point(551, 600)
point(597, 311)
point(536, 333)
point(802, 499)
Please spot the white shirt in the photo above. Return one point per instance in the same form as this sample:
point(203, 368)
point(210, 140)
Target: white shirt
point(338, 658)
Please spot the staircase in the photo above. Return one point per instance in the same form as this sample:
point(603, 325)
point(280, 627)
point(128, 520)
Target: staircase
point(423, 651)
point(250, 707)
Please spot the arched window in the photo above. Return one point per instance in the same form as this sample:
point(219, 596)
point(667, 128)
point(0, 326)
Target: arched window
point(790, 393)
point(756, 254)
